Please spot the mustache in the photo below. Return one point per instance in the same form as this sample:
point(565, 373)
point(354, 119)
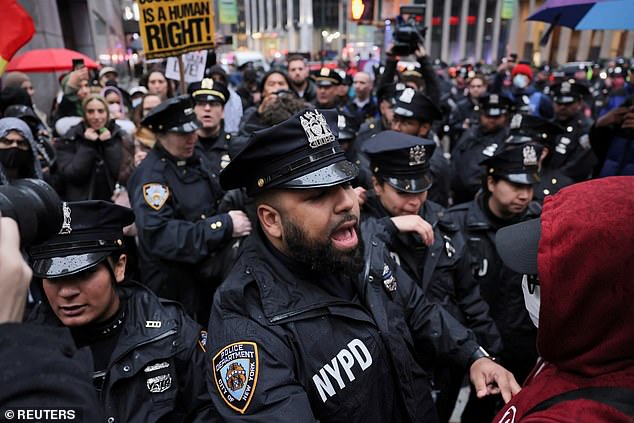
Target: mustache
point(347, 218)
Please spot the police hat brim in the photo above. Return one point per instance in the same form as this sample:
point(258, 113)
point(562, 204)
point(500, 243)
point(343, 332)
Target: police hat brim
point(208, 98)
point(411, 185)
point(326, 82)
point(565, 99)
point(58, 267)
point(401, 111)
point(185, 128)
point(522, 178)
point(494, 111)
point(331, 175)
point(518, 245)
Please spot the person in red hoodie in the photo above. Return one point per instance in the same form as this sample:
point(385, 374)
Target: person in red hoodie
point(582, 299)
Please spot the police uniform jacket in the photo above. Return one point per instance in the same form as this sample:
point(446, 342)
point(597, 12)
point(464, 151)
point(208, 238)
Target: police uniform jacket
point(472, 148)
point(175, 206)
point(464, 109)
point(314, 353)
point(441, 270)
point(573, 155)
point(158, 368)
point(441, 171)
point(500, 287)
point(217, 150)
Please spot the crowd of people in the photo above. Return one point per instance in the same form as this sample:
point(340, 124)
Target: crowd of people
point(305, 247)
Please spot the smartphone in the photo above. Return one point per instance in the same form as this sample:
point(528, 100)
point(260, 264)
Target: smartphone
point(78, 64)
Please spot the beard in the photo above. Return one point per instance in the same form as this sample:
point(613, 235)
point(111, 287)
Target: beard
point(320, 256)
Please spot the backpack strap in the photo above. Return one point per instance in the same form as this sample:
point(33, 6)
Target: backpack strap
point(620, 398)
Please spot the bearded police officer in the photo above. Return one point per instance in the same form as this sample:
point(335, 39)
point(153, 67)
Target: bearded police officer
point(507, 196)
point(175, 193)
point(149, 357)
point(309, 327)
point(210, 98)
point(414, 114)
point(476, 144)
point(427, 245)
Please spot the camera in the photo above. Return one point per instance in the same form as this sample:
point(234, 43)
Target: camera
point(409, 34)
point(36, 208)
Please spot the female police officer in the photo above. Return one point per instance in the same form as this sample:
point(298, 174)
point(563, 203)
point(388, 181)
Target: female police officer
point(149, 357)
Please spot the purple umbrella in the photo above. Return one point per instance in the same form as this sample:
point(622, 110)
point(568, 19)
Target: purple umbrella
point(587, 14)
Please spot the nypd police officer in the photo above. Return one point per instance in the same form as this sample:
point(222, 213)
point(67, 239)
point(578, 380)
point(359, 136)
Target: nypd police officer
point(507, 196)
point(309, 327)
point(427, 245)
point(210, 98)
point(149, 357)
point(174, 194)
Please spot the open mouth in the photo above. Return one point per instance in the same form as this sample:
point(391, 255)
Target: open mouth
point(73, 310)
point(345, 236)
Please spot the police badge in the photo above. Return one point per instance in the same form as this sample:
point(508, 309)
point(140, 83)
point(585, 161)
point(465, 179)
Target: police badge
point(66, 228)
point(316, 128)
point(389, 281)
point(530, 156)
point(516, 121)
point(155, 195)
point(235, 370)
point(407, 95)
point(416, 155)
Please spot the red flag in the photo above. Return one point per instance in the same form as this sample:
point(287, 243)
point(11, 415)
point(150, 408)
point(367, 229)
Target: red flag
point(17, 30)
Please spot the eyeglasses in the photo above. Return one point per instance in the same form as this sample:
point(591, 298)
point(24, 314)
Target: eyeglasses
point(21, 144)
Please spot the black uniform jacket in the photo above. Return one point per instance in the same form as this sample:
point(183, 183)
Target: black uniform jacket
point(441, 270)
point(175, 205)
point(500, 287)
point(158, 368)
point(217, 150)
point(323, 349)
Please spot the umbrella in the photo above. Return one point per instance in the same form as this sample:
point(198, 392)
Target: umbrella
point(587, 14)
point(48, 60)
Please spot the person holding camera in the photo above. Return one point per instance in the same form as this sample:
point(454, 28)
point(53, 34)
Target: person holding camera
point(95, 155)
point(149, 358)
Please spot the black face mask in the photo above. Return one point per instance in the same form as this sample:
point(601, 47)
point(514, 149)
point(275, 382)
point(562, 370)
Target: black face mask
point(14, 158)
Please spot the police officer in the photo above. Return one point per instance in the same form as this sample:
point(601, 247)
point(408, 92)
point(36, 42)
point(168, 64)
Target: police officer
point(307, 327)
point(427, 245)
point(545, 137)
point(174, 194)
point(149, 357)
point(476, 144)
point(328, 82)
point(210, 98)
point(414, 114)
point(506, 199)
point(466, 111)
point(572, 154)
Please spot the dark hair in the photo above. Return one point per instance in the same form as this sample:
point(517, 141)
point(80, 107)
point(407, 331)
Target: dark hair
point(271, 72)
point(282, 108)
point(294, 58)
point(146, 77)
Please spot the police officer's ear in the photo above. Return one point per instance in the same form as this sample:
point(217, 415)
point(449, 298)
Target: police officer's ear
point(119, 268)
point(491, 183)
point(270, 220)
point(378, 186)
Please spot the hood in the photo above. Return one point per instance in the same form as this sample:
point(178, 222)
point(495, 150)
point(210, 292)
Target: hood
point(9, 124)
point(586, 263)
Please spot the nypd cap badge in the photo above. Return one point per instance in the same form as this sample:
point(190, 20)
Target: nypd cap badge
point(235, 370)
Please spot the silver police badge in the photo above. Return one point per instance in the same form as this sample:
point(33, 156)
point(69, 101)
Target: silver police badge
point(159, 383)
point(407, 95)
point(416, 155)
point(530, 156)
point(516, 121)
point(316, 128)
point(66, 228)
point(389, 281)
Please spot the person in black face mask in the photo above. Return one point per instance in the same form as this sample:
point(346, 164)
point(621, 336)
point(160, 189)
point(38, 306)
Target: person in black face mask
point(17, 150)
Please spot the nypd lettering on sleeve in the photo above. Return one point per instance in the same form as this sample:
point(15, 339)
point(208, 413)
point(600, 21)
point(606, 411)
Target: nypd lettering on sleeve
point(235, 370)
point(342, 368)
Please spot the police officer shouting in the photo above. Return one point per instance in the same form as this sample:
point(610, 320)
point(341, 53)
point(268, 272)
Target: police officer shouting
point(311, 326)
point(210, 98)
point(427, 245)
point(175, 194)
point(149, 356)
point(507, 196)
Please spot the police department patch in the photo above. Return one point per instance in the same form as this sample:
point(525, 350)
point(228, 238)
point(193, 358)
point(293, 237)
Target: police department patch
point(155, 195)
point(236, 374)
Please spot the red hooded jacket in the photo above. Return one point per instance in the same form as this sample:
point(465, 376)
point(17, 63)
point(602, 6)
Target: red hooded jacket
point(586, 318)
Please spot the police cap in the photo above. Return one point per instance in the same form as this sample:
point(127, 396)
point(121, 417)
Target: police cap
point(529, 128)
point(348, 126)
point(515, 163)
point(410, 103)
point(173, 115)
point(209, 91)
point(401, 160)
point(91, 231)
point(569, 91)
point(327, 77)
point(495, 104)
point(301, 152)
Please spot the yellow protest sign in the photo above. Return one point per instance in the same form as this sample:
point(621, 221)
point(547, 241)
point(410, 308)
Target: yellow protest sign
point(173, 27)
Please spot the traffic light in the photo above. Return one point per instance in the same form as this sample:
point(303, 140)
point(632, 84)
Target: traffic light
point(362, 11)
